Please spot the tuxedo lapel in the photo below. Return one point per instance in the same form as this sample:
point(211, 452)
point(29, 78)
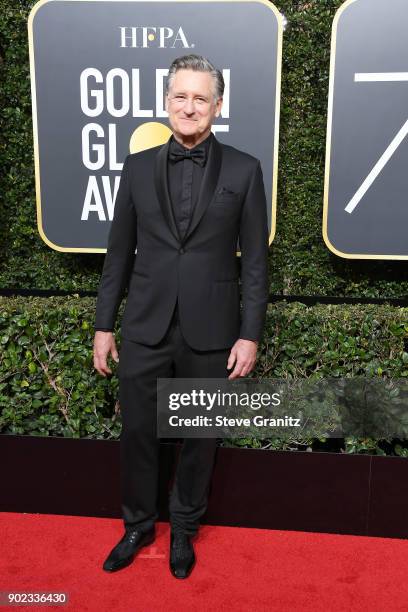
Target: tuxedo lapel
point(207, 189)
point(162, 188)
point(208, 185)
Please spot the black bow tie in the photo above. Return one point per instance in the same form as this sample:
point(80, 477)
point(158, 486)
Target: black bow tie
point(198, 154)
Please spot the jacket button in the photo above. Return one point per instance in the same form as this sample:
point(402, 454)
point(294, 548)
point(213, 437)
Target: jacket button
point(182, 250)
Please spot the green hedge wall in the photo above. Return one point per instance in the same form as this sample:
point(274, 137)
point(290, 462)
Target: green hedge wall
point(48, 385)
point(300, 262)
point(47, 382)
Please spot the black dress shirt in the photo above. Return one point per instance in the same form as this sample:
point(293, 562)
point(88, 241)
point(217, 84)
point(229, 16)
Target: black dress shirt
point(184, 181)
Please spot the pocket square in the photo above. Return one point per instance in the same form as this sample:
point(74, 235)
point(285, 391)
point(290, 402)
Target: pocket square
point(225, 191)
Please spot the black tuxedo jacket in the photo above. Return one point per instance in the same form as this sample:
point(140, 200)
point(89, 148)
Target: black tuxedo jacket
point(201, 270)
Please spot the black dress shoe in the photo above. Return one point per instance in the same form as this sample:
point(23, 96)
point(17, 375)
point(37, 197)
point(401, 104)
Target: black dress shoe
point(182, 557)
point(125, 550)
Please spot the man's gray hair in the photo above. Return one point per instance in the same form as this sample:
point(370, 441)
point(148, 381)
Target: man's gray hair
point(201, 64)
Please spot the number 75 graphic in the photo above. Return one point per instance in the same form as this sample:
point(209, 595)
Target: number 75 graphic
point(366, 77)
point(365, 211)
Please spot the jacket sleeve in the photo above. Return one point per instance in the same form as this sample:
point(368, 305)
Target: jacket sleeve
point(120, 254)
point(253, 241)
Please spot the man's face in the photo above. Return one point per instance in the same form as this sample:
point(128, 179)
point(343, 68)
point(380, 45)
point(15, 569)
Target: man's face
point(190, 104)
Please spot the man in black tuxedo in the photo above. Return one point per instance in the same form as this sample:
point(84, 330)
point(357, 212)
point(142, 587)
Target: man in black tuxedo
point(183, 205)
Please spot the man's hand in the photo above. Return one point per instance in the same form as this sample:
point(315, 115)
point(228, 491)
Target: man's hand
point(243, 354)
point(104, 343)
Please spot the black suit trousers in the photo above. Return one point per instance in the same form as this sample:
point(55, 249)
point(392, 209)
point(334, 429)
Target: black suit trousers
point(139, 367)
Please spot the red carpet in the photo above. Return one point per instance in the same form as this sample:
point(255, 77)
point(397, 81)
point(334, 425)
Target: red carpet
point(237, 569)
